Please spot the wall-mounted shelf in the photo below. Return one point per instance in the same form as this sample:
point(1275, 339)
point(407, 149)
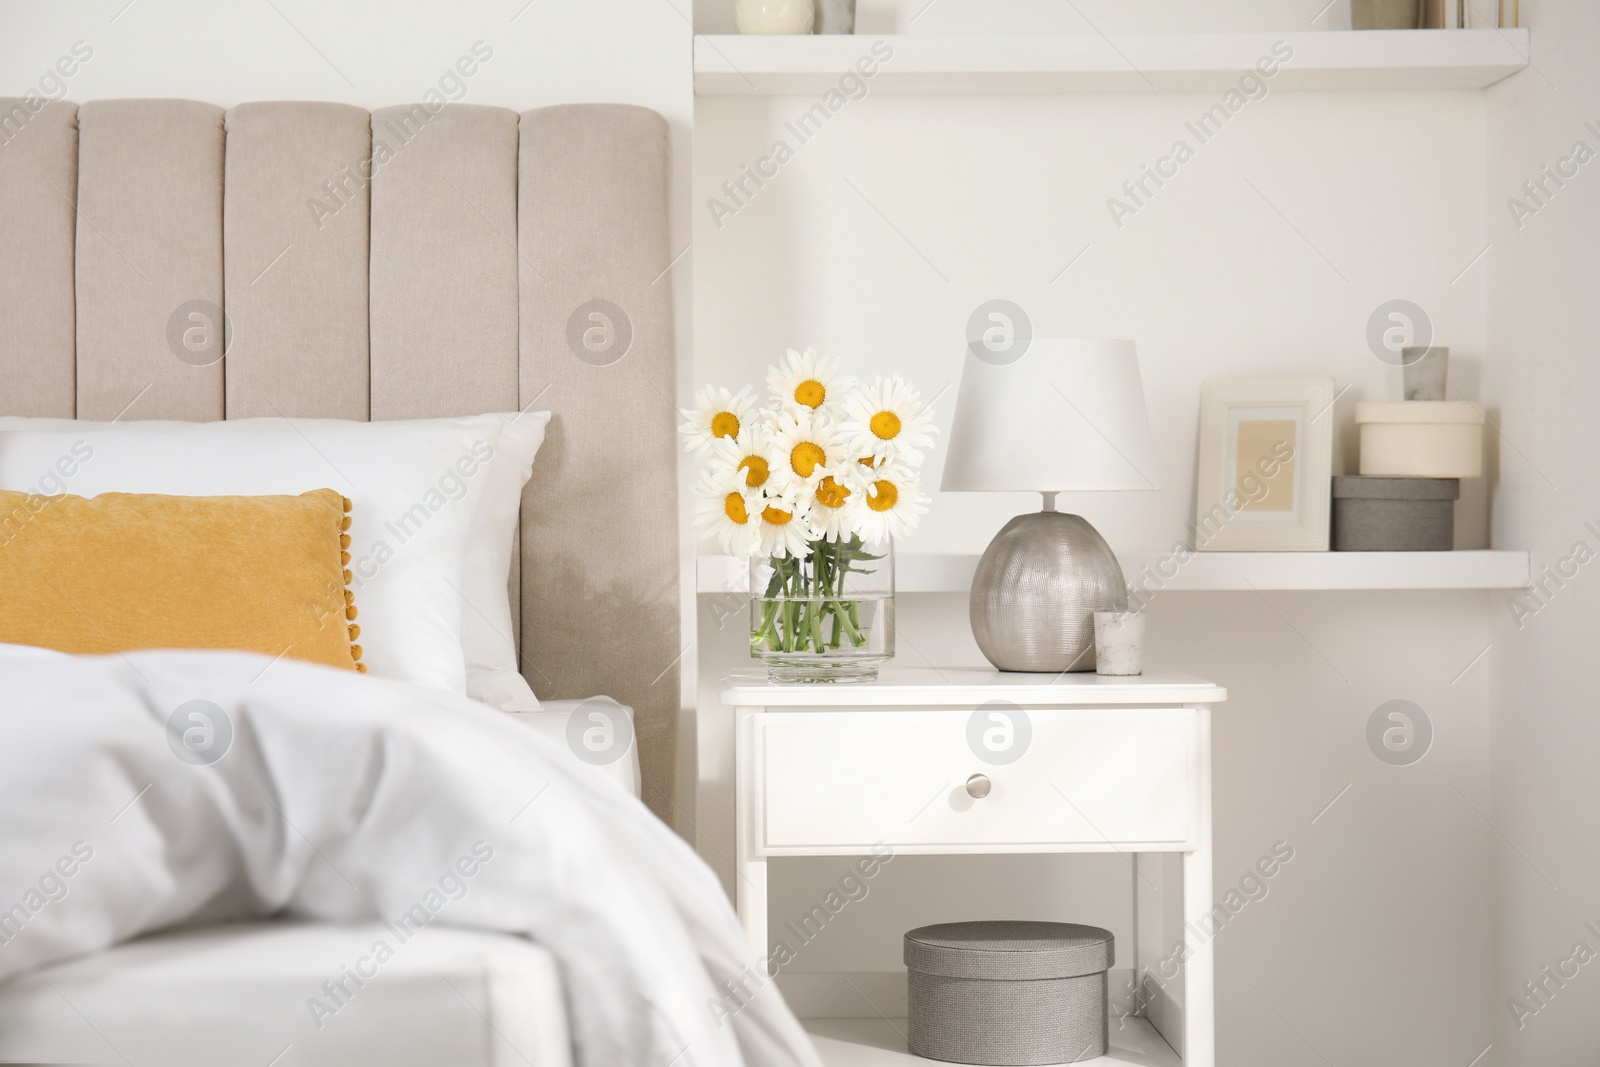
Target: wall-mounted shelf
point(1213, 571)
point(732, 65)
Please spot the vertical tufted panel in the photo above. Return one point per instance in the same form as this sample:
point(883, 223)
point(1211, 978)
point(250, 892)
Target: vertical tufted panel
point(149, 259)
point(38, 186)
point(294, 236)
point(600, 518)
point(444, 261)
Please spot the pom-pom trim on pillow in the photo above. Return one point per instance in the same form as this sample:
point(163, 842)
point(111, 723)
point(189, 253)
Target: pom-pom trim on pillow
point(349, 594)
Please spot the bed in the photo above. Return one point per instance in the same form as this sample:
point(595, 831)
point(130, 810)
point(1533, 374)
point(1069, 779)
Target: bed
point(460, 996)
point(447, 284)
point(482, 261)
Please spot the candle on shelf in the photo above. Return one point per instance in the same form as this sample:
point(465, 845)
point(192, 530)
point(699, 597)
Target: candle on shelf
point(774, 16)
point(1119, 642)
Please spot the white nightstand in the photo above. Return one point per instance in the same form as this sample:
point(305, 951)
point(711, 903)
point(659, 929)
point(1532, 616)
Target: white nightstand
point(972, 762)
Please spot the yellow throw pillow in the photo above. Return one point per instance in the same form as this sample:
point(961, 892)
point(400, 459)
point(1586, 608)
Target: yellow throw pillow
point(123, 571)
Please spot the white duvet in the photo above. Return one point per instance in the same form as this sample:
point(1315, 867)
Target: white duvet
point(343, 797)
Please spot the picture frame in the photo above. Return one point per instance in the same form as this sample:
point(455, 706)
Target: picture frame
point(1264, 474)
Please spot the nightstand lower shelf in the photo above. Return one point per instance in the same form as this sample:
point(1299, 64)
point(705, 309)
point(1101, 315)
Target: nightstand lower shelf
point(882, 1043)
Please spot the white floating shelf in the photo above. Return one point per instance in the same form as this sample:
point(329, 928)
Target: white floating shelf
point(732, 65)
point(1336, 570)
point(1213, 571)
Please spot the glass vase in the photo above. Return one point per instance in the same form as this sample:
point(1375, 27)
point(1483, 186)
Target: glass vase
point(828, 617)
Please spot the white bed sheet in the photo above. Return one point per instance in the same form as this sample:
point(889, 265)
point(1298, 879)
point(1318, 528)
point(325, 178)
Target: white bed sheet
point(554, 718)
point(348, 798)
point(239, 994)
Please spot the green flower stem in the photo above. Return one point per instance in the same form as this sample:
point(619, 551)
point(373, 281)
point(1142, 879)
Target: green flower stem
point(846, 613)
point(764, 634)
point(805, 606)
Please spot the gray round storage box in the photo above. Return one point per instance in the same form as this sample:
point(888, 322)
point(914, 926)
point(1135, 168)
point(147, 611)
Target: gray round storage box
point(1008, 992)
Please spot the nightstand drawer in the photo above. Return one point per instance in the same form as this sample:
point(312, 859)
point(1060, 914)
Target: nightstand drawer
point(1087, 777)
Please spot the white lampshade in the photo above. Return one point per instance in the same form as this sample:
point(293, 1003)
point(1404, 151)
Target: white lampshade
point(1068, 415)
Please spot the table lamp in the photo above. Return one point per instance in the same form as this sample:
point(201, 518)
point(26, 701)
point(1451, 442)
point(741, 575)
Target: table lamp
point(1067, 415)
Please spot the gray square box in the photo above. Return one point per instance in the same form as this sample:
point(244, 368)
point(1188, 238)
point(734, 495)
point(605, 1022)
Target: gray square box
point(1394, 514)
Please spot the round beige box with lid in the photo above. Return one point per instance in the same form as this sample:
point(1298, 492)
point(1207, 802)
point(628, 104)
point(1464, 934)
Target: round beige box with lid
point(1421, 439)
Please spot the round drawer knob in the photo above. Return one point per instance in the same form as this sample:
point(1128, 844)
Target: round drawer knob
point(978, 786)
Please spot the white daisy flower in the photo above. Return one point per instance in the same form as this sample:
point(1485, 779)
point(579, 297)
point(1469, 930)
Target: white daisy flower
point(830, 512)
point(887, 421)
point(856, 473)
point(717, 413)
point(804, 446)
point(890, 506)
point(783, 528)
point(806, 381)
point(747, 459)
point(727, 513)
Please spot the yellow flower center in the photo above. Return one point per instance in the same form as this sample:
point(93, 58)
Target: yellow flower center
point(755, 471)
point(867, 461)
point(885, 425)
point(724, 424)
point(811, 393)
point(733, 507)
point(776, 516)
point(886, 496)
point(831, 493)
point(806, 457)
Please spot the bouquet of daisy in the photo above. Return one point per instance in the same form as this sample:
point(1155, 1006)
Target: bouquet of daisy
point(816, 484)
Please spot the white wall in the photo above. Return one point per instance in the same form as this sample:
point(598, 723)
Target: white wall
point(1543, 381)
point(373, 53)
point(1264, 257)
point(365, 52)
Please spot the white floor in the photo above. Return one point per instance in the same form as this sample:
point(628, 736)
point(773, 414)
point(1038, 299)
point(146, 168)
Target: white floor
point(882, 1043)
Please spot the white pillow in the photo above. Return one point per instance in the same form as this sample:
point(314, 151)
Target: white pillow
point(487, 638)
point(430, 536)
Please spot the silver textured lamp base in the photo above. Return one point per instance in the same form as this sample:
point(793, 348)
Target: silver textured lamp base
point(1037, 588)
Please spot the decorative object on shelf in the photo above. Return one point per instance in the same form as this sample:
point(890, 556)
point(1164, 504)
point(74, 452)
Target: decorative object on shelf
point(836, 16)
point(1119, 642)
point(1064, 415)
point(1443, 15)
point(824, 617)
point(1425, 372)
point(813, 488)
point(1430, 14)
point(774, 16)
point(1386, 14)
point(1266, 461)
point(1421, 439)
point(1008, 992)
point(1394, 514)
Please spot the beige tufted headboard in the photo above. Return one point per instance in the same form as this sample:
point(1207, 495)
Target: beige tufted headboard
point(492, 261)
